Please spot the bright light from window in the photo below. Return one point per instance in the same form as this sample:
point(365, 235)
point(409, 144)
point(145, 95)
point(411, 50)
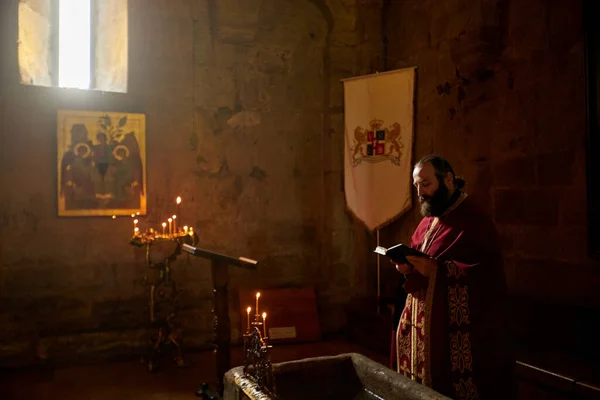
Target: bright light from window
point(74, 44)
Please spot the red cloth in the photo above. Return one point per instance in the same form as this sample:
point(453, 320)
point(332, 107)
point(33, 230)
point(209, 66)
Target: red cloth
point(460, 339)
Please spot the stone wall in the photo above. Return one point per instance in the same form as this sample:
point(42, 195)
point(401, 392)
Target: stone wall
point(501, 93)
point(109, 21)
point(244, 121)
point(34, 49)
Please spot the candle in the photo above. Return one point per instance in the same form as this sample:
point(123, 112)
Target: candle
point(257, 296)
point(191, 231)
point(136, 230)
point(178, 201)
point(265, 323)
point(248, 321)
point(164, 224)
point(114, 217)
point(170, 225)
point(174, 223)
point(185, 229)
point(135, 222)
point(132, 215)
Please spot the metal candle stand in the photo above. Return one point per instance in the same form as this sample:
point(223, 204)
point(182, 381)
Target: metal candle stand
point(257, 365)
point(162, 297)
point(163, 293)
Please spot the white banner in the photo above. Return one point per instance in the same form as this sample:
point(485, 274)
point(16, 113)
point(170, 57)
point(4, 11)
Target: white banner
point(379, 113)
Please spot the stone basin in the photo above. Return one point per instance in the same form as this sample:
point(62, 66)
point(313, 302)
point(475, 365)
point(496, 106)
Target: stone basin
point(346, 376)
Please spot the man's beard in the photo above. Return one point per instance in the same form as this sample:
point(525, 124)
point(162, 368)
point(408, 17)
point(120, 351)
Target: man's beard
point(434, 206)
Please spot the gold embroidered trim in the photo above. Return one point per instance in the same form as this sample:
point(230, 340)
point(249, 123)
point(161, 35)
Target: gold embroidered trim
point(402, 340)
point(460, 343)
point(460, 350)
point(414, 336)
point(453, 271)
point(427, 378)
point(458, 304)
point(429, 235)
point(466, 390)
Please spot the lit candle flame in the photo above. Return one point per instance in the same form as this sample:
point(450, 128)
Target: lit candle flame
point(178, 200)
point(132, 215)
point(114, 217)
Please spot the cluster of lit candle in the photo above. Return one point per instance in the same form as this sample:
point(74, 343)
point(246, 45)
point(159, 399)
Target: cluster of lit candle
point(172, 232)
point(257, 316)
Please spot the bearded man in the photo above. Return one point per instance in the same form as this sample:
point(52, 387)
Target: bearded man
point(453, 332)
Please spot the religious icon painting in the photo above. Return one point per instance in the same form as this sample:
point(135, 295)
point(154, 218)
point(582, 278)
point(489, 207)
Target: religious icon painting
point(101, 163)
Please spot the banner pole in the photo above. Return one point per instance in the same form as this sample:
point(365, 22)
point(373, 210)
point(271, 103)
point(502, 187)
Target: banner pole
point(378, 278)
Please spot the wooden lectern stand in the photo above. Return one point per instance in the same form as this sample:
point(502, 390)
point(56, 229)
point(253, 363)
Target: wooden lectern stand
point(222, 325)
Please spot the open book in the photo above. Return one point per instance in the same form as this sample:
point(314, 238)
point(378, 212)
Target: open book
point(399, 252)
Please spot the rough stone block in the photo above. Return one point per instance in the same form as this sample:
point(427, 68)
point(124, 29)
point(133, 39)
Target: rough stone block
point(345, 15)
point(574, 244)
point(165, 8)
point(526, 207)
point(237, 20)
point(343, 60)
point(336, 90)
point(195, 319)
point(203, 39)
point(93, 347)
point(344, 38)
point(555, 281)
point(506, 234)
point(288, 270)
point(573, 206)
point(254, 91)
point(514, 172)
point(305, 92)
point(271, 60)
point(200, 11)
point(215, 87)
point(337, 148)
point(556, 169)
point(34, 43)
point(537, 242)
point(338, 217)
point(116, 314)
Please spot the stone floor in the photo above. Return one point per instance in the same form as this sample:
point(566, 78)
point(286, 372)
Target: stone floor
point(129, 380)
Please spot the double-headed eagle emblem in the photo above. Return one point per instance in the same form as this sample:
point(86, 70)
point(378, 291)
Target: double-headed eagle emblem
point(376, 144)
